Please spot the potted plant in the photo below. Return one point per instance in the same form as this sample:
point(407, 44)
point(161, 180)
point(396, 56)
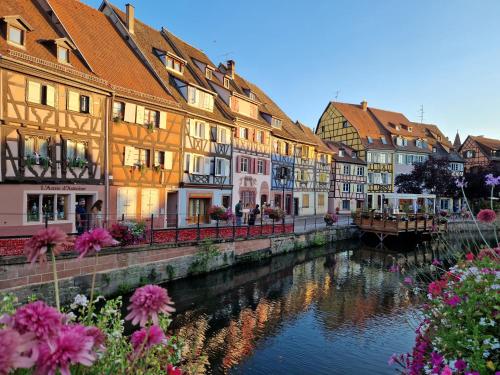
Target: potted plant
point(217, 213)
point(330, 219)
point(274, 213)
point(77, 162)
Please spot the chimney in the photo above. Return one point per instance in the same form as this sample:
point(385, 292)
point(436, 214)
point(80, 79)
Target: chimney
point(231, 67)
point(364, 105)
point(130, 18)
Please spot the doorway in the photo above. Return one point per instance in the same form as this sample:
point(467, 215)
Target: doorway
point(296, 206)
point(89, 200)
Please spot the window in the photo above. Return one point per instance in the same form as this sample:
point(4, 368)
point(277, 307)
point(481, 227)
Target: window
point(172, 63)
point(445, 204)
point(54, 207)
point(118, 111)
point(400, 158)
point(347, 169)
point(260, 166)
point(405, 142)
point(359, 188)
point(223, 135)
point(369, 157)
point(276, 122)
point(41, 93)
point(84, 104)
point(341, 153)
point(345, 124)
point(383, 158)
point(370, 177)
point(143, 157)
point(36, 148)
point(221, 167)
point(198, 164)
point(385, 178)
point(434, 149)
point(198, 130)
point(244, 165)
point(323, 177)
point(418, 143)
point(62, 55)
point(469, 154)
point(370, 140)
point(305, 201)
point(456, 167)
point(151, 118)
point(251, 95)
point(410, 129)
point(200, 99)
point(208, 73)
point(321, 200)
point(76, 150)
point(259, 136)
point(361, 171)
point(346, 205)
point(354, 155)
point(15, 35)
point(244, 133)
point(226, 82)
point(346, 188)
point(384, 141)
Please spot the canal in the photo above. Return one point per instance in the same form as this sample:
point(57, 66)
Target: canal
point(333, 310)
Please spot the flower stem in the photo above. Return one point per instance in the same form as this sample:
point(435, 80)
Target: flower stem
point(474, 219)
point(91, 302)
point(494, 224)
point(56, 283)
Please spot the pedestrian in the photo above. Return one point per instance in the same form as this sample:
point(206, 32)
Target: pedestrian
point(81, 216)
point(253, 215)
point(238, 212)
point(96, 214)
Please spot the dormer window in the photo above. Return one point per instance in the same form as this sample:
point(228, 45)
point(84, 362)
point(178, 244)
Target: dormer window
point(410, 129)
point(341, 153)
point(370, 140)
point(16, 28)
point(226, 82)
point(418, 143)
point(208, 73)
point(434, 149)
point(62, 55)
point(354, 155)
point(171, 61)
point(383, 140)
point(251, 95)
point(345, 124)
point(276, 122)
point(398, 127)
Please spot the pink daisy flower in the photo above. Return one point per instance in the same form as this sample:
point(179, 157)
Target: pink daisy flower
point(71, 346)
point(147, 302)
point(38, 318)
point(147, 337)
point(38, 245)
point(16, 350)
point(94, 240)
point(486, 216)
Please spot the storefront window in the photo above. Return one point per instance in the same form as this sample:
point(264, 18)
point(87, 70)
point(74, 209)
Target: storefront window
point(52, 206)
point(33, 208)
point(48, 207)
point(62, 207)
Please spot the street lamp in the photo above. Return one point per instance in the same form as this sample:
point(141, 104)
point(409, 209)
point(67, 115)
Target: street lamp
point(283, 180)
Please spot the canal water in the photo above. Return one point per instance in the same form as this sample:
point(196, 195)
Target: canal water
point(334, 310)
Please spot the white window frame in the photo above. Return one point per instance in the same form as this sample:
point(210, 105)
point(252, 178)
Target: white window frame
point(260, 166)
point(360, 171)
point(244, 162)
point(346, 187)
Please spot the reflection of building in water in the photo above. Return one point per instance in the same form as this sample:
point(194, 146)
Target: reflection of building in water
point(341, 290)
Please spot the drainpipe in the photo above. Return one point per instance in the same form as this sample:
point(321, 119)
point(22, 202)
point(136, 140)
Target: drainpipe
point(108, 113)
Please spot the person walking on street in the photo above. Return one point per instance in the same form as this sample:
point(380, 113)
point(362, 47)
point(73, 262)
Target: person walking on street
point(81, 216)
point(96, 212)
point(238, 212)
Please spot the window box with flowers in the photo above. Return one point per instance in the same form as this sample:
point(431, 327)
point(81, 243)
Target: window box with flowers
point(218, 213)
point(77, 162)
point(36, 159)
point(274, 213)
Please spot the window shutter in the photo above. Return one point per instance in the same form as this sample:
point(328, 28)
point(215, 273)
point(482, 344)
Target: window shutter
point(238, 165)
point(226, 167)
point(51, 96)
point(254, 164)
point(236, 132)
point(34, 92)
point(73, 101)
point(188, 167)
point(129, 156)
point(169, 160)
point(139, 115)
point(266, 166)
point(129, 112)
point(208, 163)
point(163, 120)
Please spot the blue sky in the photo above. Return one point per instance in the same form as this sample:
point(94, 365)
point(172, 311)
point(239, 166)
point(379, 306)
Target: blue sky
point(398, 55)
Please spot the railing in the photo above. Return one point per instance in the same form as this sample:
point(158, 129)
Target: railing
point(384, 222)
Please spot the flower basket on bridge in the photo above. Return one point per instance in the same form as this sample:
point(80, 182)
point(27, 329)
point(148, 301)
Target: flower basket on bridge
point(274, 213)
point(330, 219)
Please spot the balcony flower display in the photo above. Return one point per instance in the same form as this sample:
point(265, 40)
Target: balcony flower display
point(330, 219)
point(274, 213)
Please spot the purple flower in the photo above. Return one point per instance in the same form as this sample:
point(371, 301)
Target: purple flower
point(460, 364)
point(147, 302)
point(408, 280)
point(436, 359)
point(38, 318)
point(491, 180)
point(436, 262)
point(461, 183)
point(446, 371)
point(16, 350)
point(453, 301)
point(147, 337)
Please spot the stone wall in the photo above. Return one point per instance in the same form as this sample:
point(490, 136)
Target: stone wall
point(122, 270)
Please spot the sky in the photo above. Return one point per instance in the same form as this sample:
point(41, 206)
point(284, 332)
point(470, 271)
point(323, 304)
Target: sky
point(439, 55)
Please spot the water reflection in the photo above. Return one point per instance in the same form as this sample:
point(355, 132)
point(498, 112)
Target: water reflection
point(321, 311)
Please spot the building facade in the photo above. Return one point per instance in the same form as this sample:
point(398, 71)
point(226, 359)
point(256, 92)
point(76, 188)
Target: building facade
point(481, 152)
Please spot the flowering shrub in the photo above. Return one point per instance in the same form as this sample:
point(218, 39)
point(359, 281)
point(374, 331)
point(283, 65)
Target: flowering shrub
point(122, 234)
point(330, 218)
point(216, 212)
point(274, 213)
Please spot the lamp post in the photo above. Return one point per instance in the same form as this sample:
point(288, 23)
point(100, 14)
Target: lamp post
point(283, 180)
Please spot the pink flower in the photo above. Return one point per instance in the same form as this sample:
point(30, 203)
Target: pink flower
point(38, 245)
point(408, 280)
point(147, 302)
point(460, 364)
point(453, 301)
point(171, 370)
point(94, 240)
point(436, 287)
point(446, 371)
point(486, 216)
point(71, 346)
point(469, 257)
point(16, 350)
point(436, 262)
point(97, 336)
point(394, 268)
point(436, 359)
point(38, 318)
point(147, 337)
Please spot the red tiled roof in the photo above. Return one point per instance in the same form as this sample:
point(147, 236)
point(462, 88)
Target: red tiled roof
point(347, 158)
point(490, 143)
point(313, 138)
point(108, 54)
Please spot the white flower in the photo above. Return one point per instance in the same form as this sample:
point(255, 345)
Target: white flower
point(80, 300)
point(71, 316)
point(486, 354)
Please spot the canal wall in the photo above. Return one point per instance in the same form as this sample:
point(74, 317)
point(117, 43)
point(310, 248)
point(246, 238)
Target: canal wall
point(120, 270)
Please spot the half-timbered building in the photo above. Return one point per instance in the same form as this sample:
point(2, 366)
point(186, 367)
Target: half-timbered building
point(204, 146)
point(481, 152)
point(52, 123)
point(145, 120)
point(348, 180)
point(355, 126)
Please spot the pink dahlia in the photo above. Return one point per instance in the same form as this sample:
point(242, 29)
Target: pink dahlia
point(436, 287)
point(147, 302)
point(94, 240)
point(486, 216)
point(70, 347)
point(38, 245)
point(36, 317)
point(16, 350)
point(469, 257)
point(172, 370)
point(147, 337)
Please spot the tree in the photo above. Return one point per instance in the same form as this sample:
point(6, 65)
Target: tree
point(432, 176)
